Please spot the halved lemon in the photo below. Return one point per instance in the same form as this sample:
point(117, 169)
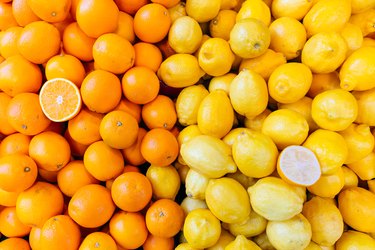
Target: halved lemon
point(60, 99)
point(298, 165)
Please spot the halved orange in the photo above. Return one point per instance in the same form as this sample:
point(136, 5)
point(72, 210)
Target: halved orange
point(298, 165)
point(60, 99)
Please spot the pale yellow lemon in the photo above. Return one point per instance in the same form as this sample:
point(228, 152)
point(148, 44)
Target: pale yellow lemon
point(202, 10)
point(224, 240)
point(323, 82)
point(351, 179)
point(364, 20)
point(188, 133)
point(313, 246)
point(177, 11)
point(196, 184)
point(250, 227)
point(182, 170)
point(232, 136)
point(263, 241)
point(222, 24)
point(230, 4)
point(352, 35)
point(244, 180)
point(365, 167)
point(366, 106)
point(185, 246)
point(256, 122)
point(185, 35)
point(328, 186)
point(257, 9)
point(189, 204)
point(241, 242)
point(221, 82)
point(355, 240)
point(165, 181)
point(291, 8)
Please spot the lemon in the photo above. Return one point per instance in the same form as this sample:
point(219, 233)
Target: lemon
point(352, 35)
point(285, 127)
point(289, 82)
point(215, 114)
point(294, 233)
point(203, 10)
point(327, 15)
point(328, 186)
point(187, 103)
point(215, 56)
point(355, 240)
point(185, 35)
point(324, 52)
point(232, 136)
point(188, 133)
point(249, 38)
point(325, 219)
point(185, 246)
point(274, 199)
point(196, 184)
point(323, 82)
point(357, 71)
point(209, 156)
point(244, 180)
point(222, 24)
point(313, 246)
point(248, 93)
point(288, 36)
point(252, 226)
point(365, 167)
point(366, 106)
point(241, 242)
point(221, 82)
point(264, 64)
point(201, 228)
point(180, 70)
point(263, 242)
point(189, 204)
point(359, 6)
point(165, 181)
point(229, 4)
point(356, 206)
point(254, 153)
point(256, 122)
point(351, 179)
point(365, 21)
point(257, 9)
point(291, 8)
point(359, 140)
point(371, 185)
point(228, 200)
point(177, 11)
point(224, 240)
point(368, 42)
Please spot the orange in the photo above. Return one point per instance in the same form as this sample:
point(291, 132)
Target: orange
point(10, 225)
point(77, 149)
point(15, 143)
point(131, 191)
point(125, 27)
point(8, 41)
point(49, 150)
point(39, 203)
point(101, 91)
point(130, 6)
point(63, 24)
point(131, 108)
point(14, 243)
point(57, 127)
point(98, 241)
point(102, 161)
point(60, 99)
point(140, 85)
point(154, 242)
point(23, 13)
point(6, 18)
point(164, 218)
point(25, 114)
point(147, 55)
point(33, 45)
point(113, 53)
point(60, 232)
point(18, 172)
point(152, 23)
point(5, 128)
point(128, 229)
point(29, 76)
point(8, 199)
point(166, 3)
point(84, 127)
point(96, 18)
point(132, 154)
point(159, 147)
point(159, 113)
point(77, 43)
point(65, 66)
point(127, 168)
point(34, 237)
point(48, 176)
point(74, 176)
point(50, 11)
point(119, 129)
point(91, 206)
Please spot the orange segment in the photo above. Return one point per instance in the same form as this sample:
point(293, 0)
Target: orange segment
point(298, 165)
point(60, 99)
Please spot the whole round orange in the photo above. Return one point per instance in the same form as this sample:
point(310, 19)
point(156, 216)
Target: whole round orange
point(14, 243)
point(147, 55)
point(15, 143)
point(10, 225)
point(98, 241)
point(155, 242)
point(160, 113)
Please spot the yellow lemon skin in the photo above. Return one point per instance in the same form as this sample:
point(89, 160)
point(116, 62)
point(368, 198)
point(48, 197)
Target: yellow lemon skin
point(359, 6)
point(256, 122)
point(274, 199)
point(263, 242)
point(196, 184)
point(241, 242)
point(285, 127)
point(185, 35)
point(366, 106)
point(224, 240)
point(357, 206)
point(165, 181)
point(248, 93)
point(221, 82)
point(368, 42)
point(249, 38)
point(288, 36)
point(255, 154)
point(252, 226)
point(355, 240)
point(189, 204)
point(293, 234)
point(353, 37)
point(289, 82)
point(323, 82)
point(222, 24)
point(334, 109)
point(327, 15)
point(228, 200)
point(365, 167)
point(244, 180)
point(364, 20)
point(215, 114)
point(357, 72)
point(180, 70)
point(185, 246)
point(351, 179)
point(202, 11)
point(188, 133)
point(325, 219)
point(291, 8)
point(201, 228)
point(313, 246)
point(209, 156)
point(324, 52)
point(328, 186)
point(257, 9)
point(177, 11)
